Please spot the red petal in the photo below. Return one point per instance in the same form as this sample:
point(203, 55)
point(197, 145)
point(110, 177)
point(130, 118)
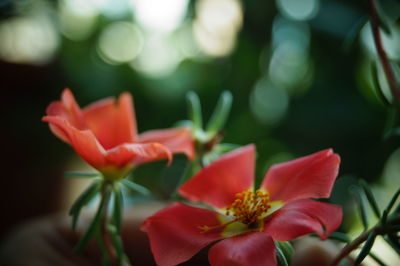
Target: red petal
point(175, 234)
point(136, 154)
point(177, 140)
point(83, 141)
point(112, 122)
point(301, 217)
point(253, 249)
point(68, 109)
point(311, 176)
point(217, 184)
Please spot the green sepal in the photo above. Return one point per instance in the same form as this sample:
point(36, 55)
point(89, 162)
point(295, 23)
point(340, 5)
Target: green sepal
point(220, 114)
point(118, 208)
point(194, 107)
point(94, 225)
point(280, 255)
point(287, 250)
point(338, 236)
point(82, 200)
point(226, 147)
point(135, 187)
point(371, 198)
point(366, 248)
point(217, 151)
point(80, 175)
point(184, 123)
point(363, 214)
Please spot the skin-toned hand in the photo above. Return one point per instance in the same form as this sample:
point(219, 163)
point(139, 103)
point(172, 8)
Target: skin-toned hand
point(50, 241)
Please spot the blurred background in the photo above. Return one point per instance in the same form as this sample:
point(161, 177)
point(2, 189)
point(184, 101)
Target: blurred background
point(303, 74)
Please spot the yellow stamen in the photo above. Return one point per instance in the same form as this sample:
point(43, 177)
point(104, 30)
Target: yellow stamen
point(249, 208)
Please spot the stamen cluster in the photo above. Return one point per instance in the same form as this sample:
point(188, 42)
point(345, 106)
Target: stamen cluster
point(249, 206)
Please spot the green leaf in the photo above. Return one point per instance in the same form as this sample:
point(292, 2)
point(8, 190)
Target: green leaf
point(392, 241)
point(371, 198)
point(102, 246)
point(393, 228)
point(363, 214)
point(101, 211)
point(282, 261)
point(194, 110)
point(81, 174)
point(397, 210)
point(220, 114)
point(390, 206)
point(118, 207)
point(354, 32)
point(383, 25)
point(338, 236)
point(135, 187)
point(366, 248)
point(287, 250)
point(82, 200)
point(376, 259)
point(378, 87)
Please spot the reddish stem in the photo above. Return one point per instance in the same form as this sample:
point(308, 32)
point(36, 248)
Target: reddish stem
point(381, 51)
point(350, 247)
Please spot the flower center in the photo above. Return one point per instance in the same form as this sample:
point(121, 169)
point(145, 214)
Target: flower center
point(249, 206)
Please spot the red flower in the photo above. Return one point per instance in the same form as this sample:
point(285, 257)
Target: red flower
point(248, 221)
point(104, 134)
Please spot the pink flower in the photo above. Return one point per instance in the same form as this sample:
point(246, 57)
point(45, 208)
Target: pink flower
point(105, 135)
point(246, 221)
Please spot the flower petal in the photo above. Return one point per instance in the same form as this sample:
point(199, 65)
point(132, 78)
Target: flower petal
point(137, 154)
point(311, 176)
point(112, 122)
point(301, 217)
point(253, 249)
point(217, 184)
point(68, 109)
point(83, 141)
point(175, 234)
point(177, 140)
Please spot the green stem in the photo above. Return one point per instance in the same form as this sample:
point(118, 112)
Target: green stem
point(106, 192)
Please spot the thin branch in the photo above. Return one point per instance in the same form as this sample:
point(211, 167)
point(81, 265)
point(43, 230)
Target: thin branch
point(381, 51)
point(351, 246)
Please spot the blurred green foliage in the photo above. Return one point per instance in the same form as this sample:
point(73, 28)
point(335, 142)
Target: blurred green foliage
point(296, 90)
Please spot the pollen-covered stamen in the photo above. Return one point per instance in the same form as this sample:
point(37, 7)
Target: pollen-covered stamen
point(249, 206)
